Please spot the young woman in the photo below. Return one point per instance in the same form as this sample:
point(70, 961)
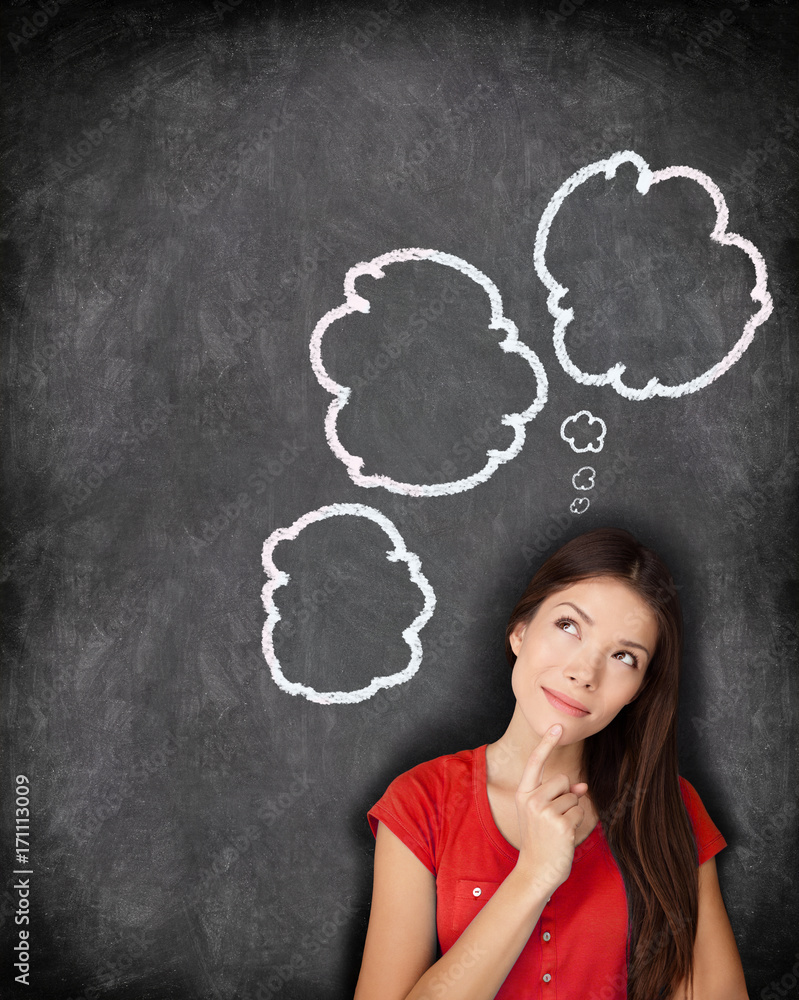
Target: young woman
point(568, 859)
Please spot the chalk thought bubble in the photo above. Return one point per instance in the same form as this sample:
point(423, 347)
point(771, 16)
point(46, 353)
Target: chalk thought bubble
point(584, 479)
point(278, 578)
point(647, 178)
point(510, 344)
point(588, 430)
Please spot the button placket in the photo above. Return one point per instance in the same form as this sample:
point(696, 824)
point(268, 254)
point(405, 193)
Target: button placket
point(548, 945)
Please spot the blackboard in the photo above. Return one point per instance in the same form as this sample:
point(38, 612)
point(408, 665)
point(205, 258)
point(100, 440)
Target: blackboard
point(187, 188)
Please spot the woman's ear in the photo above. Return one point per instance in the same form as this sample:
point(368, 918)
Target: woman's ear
point(516, 637)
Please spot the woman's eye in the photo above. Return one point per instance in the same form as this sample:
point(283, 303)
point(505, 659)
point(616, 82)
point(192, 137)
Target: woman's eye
point(568, 623)
point(631, 658)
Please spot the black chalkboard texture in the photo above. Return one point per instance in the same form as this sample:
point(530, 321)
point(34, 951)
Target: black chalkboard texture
point(186, 188)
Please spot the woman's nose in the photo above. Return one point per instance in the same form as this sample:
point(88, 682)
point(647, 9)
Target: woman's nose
point(584, 668)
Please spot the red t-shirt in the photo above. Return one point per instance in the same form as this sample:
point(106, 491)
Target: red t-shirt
point(440, 810)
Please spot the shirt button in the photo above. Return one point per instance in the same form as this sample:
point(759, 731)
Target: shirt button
point(547, 936)
point(546, 977)
point(477, 891)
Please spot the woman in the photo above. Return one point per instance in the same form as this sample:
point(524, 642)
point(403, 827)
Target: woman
point(568, 859)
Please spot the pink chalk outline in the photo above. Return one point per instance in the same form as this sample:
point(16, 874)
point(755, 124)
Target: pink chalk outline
point(277, 578)
point(646, 178)
point(356, 303)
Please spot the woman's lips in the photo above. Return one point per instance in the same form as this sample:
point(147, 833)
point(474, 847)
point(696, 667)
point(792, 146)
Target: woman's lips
point(563, 706)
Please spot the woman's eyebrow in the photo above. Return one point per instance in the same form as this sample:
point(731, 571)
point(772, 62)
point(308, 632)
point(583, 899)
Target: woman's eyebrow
point(590, 621)
point(586, 618)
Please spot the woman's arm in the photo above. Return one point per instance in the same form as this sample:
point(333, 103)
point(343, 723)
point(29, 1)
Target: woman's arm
point(718, 973)
point(398, 958)
point(401, 939)
point(400, 950)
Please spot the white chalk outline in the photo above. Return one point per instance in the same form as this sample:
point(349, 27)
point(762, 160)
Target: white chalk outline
point(277, 579)
point(356, 303)
point(591, 420)
point(577, 500)
point(646, 178)
point(585, 468)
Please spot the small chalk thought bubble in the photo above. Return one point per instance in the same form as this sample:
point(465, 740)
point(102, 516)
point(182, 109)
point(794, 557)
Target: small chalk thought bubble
point(584, 479)
point(584, 432)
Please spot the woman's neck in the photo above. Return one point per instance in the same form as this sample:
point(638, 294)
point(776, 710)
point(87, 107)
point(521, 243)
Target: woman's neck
point(507, 758)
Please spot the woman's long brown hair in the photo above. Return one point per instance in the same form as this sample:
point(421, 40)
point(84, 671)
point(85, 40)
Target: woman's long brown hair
point(631, 766)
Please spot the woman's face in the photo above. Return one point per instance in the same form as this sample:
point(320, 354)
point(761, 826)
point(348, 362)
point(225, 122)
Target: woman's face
point(590, 642)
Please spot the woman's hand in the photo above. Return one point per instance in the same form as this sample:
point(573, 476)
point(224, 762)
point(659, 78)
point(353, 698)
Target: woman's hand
point(549, 815)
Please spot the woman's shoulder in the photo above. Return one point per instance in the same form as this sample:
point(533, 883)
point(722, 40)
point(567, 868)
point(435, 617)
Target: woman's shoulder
point(709, 838)
point(693, 803)
point(446, 767)
point(690, 796)
point(423, 794)
point(438, 778)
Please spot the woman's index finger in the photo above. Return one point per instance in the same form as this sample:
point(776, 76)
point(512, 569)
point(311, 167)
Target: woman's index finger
point(534, 768)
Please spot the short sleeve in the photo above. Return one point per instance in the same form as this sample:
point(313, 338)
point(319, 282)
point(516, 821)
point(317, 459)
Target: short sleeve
point(408, 808)
point(709, 840)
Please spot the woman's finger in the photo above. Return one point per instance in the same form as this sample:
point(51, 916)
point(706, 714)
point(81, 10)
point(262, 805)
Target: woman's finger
point(534, 768)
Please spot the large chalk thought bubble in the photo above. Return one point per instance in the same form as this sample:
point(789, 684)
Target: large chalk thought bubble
point(278, 578)
point(647, 178)
point(498, 321)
